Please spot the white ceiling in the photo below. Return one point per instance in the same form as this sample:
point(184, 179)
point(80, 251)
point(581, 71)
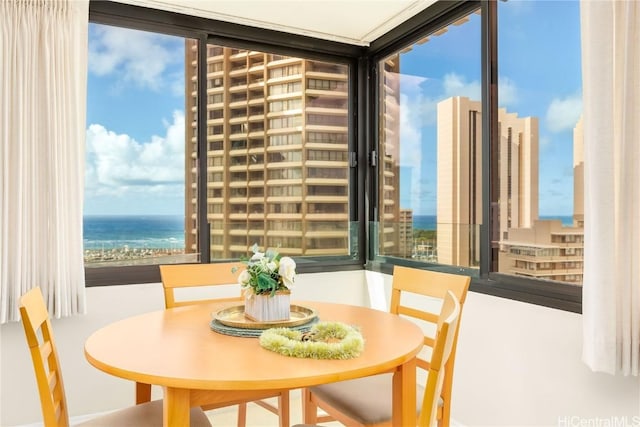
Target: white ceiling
point(356, 22)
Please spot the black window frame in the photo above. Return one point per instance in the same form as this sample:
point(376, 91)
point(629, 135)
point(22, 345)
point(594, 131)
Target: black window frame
point(363, 136)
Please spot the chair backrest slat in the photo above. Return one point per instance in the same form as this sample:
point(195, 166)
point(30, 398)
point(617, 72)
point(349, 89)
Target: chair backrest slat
point(196, 275)
point(36, 322)
point(417, 314)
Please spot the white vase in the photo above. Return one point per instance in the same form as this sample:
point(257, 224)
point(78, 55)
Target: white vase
point(267, 308)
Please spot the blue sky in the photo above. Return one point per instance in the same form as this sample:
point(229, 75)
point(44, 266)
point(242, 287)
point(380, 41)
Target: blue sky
point(135, 108)
point(539, 75)
point(135, 123)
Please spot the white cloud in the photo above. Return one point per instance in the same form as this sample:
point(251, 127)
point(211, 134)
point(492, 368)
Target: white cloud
point(455, 85)
point(139, 57)
point(507, 92)
point(119, 165)
point(563, 114)
point(544, 141)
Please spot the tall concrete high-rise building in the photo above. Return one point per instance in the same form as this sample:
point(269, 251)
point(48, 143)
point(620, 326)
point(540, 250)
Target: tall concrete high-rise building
point(277, 153)
point(459, 186)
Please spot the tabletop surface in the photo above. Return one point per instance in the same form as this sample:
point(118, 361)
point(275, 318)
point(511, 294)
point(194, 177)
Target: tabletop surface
point(177, 348)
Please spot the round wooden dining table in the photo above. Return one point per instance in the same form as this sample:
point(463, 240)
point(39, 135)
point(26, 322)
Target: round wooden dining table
point(177, 350)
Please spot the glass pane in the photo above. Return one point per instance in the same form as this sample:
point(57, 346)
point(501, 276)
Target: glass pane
point(540, 210)
point(429, 164)
point(277, 154)
point(135, 164)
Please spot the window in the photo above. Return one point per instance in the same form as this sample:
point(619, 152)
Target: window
point(290, 70)
point(429, 161)
point(136, 136)
point(285, 88)
point(285, 122)
point(288, 139)
point(431, 202)
point(290, 104)
point(321, 84)
point(540, 203)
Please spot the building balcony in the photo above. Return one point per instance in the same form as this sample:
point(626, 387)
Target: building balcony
point(239, 119)
point(240, 103)
point(337, 76)
point(284, 96)
point(218, 121)
point(328, 93)
point(327, 199)
point(327, 217)
point(338, 182)
point(327, 128)
point(238, 70)
point(327, 234)
point(285, 216)
point(284, 233)
point(235, 88)
point(284, 79)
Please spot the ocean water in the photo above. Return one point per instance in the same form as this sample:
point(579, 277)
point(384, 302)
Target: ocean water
point(167, 231)
point(144, 231)
point(429, 222)
point(424, 222)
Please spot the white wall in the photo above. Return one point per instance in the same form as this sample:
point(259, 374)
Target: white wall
point(517, 364)
point(520, 364)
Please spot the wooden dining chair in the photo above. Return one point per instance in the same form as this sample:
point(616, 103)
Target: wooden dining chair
point(367, 401)
point(44, 355)
point(176, 276)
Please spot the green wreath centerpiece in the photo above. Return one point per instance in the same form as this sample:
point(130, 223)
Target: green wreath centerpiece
point(325, 340)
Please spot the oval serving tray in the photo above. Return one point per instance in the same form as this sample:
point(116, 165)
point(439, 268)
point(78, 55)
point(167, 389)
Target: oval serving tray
point(234, 316)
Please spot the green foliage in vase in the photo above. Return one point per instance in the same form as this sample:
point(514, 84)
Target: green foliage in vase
point(267, 272)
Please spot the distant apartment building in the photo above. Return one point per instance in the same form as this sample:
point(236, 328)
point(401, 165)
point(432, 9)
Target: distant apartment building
point(459, 180)
point(548, 250)
point(405, 233)
point(277, 153)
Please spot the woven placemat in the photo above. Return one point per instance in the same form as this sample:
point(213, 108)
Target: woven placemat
point(254, 333)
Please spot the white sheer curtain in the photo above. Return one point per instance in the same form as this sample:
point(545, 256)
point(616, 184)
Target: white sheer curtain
point(611, 94)
point(43, 66)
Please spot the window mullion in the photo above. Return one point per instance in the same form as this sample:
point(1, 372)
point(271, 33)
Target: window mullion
point(202, 221)
point(489, 46)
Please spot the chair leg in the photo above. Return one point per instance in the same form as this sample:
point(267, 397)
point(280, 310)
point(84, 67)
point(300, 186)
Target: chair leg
point(309, 408)
point(284, 409)
point(242, 414)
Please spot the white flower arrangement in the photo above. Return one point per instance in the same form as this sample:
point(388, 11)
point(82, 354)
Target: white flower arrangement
point(267, 272)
